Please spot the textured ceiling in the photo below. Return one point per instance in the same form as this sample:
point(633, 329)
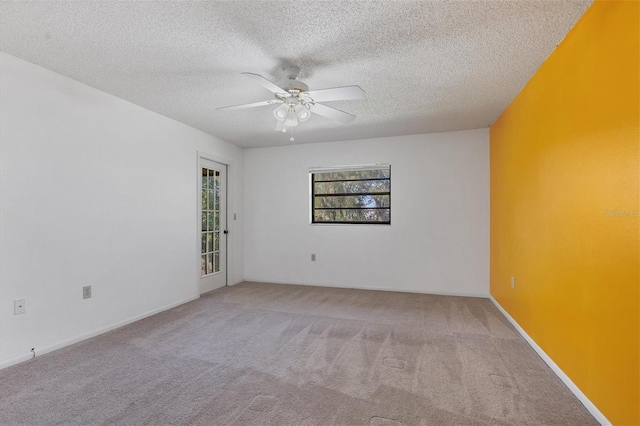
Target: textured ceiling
point(426, 66)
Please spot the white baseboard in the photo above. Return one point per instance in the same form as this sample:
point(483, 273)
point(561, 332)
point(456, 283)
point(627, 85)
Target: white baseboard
point(15, 360)
point(561, 374)
point(41, 351)
point(207, 290)
point(398, 290)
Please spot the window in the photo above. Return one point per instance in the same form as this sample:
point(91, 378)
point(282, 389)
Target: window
point(356, 194)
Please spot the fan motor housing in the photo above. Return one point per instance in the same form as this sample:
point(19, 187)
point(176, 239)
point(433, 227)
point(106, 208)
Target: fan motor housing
point(291, 82)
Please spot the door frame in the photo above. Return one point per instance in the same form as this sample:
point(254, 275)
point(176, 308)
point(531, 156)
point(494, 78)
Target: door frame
point(229, 241)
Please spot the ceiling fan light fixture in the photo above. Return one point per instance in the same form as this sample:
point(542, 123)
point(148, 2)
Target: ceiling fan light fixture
point(302, 113)
point(292, 118)
point(281, 112)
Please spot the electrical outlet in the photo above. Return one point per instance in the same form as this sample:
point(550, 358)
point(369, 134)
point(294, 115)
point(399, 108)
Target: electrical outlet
point(19, 306)
point(234, 216)
point(313, 257)
point(86, 292)
point(513, 282)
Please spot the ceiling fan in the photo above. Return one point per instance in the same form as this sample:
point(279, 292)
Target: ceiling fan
point(297, 102)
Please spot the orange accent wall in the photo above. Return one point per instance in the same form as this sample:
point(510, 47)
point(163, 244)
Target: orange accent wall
point(565, 171)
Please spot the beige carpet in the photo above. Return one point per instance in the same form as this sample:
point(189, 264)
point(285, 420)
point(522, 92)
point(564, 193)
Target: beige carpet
point(266, 354)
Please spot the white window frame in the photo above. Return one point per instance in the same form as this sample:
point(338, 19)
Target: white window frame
point(313, 170)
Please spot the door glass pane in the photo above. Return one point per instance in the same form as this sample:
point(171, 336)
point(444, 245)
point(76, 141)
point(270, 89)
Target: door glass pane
point(217, 262)
point(203, 248)
point(209, 263)
point(212, 179)
point(212, 200)
point(216, 246)
point(210, 242)
point(217, 192)
point(203, 265)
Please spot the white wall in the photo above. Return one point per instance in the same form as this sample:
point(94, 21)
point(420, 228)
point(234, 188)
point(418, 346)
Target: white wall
point(95, 190)
point(438, 241)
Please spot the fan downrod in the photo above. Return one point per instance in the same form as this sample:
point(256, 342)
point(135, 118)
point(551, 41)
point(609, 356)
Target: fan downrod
point(292, 72)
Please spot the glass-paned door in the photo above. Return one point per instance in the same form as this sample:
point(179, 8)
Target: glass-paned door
point(213, 225)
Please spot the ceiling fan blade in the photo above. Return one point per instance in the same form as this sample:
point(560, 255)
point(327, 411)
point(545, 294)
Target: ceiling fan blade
point(346, 93)
point(255, 104)
point(332, 113)
point(264, 82)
